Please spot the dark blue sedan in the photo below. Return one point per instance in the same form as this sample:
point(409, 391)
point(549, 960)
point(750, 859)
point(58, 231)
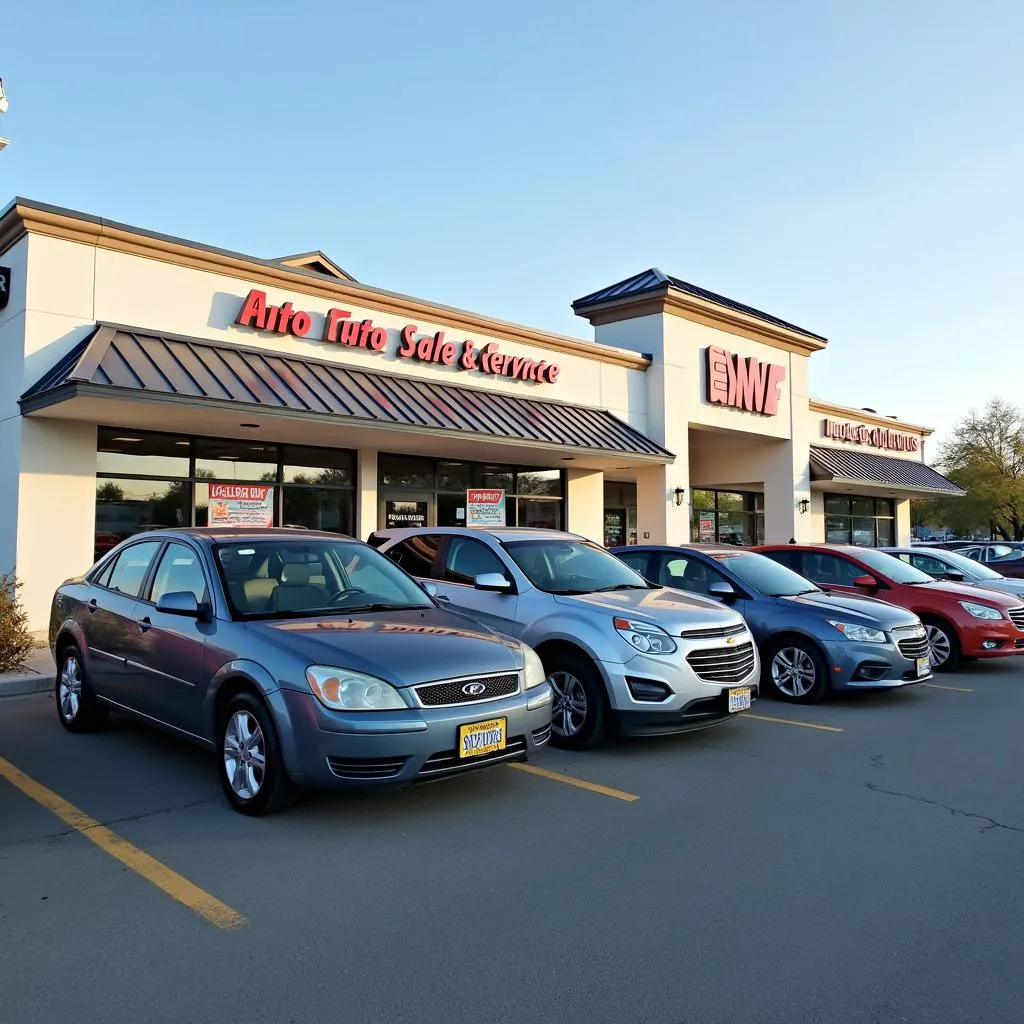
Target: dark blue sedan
point(810, 641)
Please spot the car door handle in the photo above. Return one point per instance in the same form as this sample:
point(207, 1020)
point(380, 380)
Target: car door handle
point(92, 606)
point(145, 624)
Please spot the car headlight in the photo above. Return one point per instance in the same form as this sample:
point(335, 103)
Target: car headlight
point(852, 631)
point(533, 674)
point(342, 690)
point(981, 611)
point(645, 637)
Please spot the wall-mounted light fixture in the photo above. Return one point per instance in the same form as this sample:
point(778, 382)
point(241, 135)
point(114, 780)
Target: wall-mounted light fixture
point(680, 493)
point(804, 504)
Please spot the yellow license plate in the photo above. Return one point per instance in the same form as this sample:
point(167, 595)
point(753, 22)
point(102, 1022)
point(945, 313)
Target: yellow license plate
point(739, 699)
point(482, 737)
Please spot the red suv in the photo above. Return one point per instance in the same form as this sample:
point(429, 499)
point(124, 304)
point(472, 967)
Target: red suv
point(962, 622)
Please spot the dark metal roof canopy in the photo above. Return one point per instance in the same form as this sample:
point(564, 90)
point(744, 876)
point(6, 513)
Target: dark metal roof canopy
point(855, 467)
point(192, 370)
point(654, 280)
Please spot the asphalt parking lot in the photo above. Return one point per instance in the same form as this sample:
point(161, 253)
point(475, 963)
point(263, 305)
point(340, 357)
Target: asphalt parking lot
point(859, 861)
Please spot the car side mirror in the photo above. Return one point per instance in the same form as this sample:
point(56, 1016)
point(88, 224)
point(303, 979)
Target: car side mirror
point(429, 587)
point(954, 576)
point(493, 581)
point(866, 582)
point(722, 591)
point(183, 603)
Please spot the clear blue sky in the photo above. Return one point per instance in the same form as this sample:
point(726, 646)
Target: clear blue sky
point(856, 168)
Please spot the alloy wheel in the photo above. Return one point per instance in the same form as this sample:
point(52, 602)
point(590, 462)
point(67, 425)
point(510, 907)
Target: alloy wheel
point(70, 691)
point(570, 705)
point(939, 647)
point(245, 755)
point(793, 672)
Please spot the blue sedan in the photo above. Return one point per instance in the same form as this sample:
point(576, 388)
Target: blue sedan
point(810, 641)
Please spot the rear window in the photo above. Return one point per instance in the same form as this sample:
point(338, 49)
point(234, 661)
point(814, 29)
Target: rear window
point(129, 571)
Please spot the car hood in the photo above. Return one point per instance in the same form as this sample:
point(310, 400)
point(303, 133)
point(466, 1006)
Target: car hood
point(1011, 588)
point(965, 592)
point(861, 610)
point(404, 648)
point(674, 610)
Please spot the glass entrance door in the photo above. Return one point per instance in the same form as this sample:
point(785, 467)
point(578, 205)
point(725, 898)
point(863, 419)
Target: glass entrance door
point(405, 510)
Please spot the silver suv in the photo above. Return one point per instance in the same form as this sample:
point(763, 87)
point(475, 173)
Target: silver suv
point(617, 649)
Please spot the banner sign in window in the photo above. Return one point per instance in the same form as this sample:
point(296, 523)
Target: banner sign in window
point(485, 508)
point(707, 528)
point(241, 505)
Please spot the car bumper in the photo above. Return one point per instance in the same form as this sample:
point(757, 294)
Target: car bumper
point(690, 703)
point(327, 749)
point(991, 640)
point(857, 665)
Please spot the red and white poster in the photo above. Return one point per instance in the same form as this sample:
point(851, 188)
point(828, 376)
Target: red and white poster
point(485, 508)
point(241, 505)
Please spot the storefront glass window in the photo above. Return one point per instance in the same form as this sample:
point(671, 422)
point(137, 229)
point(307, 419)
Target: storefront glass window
point(410, 481)
point(135, 453)
point(318, 493)
point(318, 467)
point(236, 460)
point(405, 471)
point(727, 517)
point(125, 507)
point(864, 521)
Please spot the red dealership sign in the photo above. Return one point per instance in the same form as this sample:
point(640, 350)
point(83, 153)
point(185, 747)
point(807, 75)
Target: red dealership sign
point(743, 382)
point(877, 437)
point(340, 329)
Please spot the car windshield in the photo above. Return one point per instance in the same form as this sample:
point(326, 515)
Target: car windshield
point(892, 567)
point(292, 578)
point(571, 566)
point(764, 575)
point(968, 566)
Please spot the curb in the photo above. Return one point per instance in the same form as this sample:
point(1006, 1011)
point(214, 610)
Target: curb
point(19, 686)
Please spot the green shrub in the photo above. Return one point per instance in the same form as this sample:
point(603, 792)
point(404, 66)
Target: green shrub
point(16, 641)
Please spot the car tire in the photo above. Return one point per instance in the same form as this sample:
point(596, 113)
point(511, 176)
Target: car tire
point(250, 765)
point(580, 702)
point(794, 670)
point(943, 645)
point(78, 708)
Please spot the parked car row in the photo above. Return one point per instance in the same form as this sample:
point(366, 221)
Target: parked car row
point(309, 659)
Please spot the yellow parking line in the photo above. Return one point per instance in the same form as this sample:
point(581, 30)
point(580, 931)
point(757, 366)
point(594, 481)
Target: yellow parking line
point(181, 889)
point(593, 787)
point(958, 689)
point(790, 721)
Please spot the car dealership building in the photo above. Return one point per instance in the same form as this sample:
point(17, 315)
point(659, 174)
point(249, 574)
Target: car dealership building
point(152, 381)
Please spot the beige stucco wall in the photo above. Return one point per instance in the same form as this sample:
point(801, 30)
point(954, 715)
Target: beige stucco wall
point(585, 493)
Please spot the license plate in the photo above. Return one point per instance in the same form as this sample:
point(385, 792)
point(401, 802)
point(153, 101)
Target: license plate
point(482, 737)
point(739, 700)
point(923, 667)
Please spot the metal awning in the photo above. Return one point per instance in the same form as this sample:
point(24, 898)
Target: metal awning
point(197, 372)
point(866, 468)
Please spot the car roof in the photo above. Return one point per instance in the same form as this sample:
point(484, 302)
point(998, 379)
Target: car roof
point(700, 547)
point(214, 534)
point(849, 549)
point(500, 533)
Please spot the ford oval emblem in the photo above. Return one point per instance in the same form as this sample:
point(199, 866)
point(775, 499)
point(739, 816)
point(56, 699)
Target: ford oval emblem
point(473, 689)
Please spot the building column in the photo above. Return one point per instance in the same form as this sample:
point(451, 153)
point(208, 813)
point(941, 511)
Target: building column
point(56, 510)
point(903, 531)
point(787, 483)
point(659, 519)
point(366, 492)
point(585, 496)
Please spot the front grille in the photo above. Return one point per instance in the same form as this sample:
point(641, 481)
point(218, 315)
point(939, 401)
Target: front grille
point(1017, 617)
point(366, 767)
point(717, 633)
point(914, 647)
point(723, 664)
point(448, 762)
point(437, 695)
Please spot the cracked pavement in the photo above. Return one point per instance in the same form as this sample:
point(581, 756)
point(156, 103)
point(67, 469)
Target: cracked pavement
point(768, 874)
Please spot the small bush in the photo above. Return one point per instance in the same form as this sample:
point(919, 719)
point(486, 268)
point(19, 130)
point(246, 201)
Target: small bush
point(16, 641)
